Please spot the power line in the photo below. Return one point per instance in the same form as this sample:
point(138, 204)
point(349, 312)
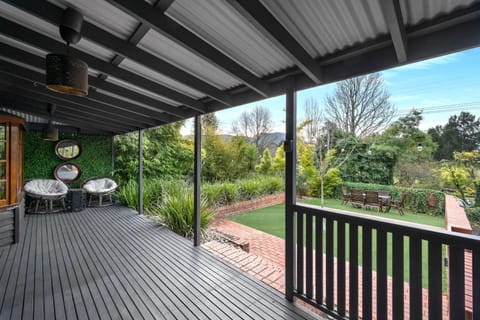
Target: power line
point(441, 108)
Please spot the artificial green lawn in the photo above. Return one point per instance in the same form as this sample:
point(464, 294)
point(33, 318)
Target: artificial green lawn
point(272, 221)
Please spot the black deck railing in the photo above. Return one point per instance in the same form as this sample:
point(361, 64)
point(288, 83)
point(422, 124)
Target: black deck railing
point(333, 280)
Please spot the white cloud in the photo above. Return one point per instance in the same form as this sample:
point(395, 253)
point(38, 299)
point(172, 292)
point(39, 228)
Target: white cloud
point(427, 64)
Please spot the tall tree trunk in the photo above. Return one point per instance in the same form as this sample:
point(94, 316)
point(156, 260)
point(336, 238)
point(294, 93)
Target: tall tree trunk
point(321, 192)
point(477, 195)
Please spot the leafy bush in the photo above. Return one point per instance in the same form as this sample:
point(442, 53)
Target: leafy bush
point(417, 199)
point(224, 193)
point(249, 188)
point(332, 181)
point(272, 184)
point(177, 209)
point(473, 215)
point(172, 200)
point(220, 193)
point(152, 192)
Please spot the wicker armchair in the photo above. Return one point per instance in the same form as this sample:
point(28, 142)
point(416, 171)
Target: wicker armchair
point(48, 191)
point(100, 187)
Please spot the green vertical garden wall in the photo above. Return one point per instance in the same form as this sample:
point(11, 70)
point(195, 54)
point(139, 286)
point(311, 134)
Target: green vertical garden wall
point(40, 159)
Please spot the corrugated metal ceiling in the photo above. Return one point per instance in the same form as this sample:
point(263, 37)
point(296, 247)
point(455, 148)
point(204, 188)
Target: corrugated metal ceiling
point(168, 50)
point(220, 25)
point(253, 64)
point(159, 78)
point(331, 26)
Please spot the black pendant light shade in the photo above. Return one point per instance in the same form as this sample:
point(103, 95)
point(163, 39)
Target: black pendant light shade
point(66, 74)
point(50, 133)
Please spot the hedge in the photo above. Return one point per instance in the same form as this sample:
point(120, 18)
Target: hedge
point(215, 194)
point(222, 193)
point(417, 199)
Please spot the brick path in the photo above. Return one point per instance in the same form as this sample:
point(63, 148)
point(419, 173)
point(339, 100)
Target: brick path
point(266, 262)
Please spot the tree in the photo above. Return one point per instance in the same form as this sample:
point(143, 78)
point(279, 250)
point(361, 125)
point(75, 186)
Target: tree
point(209, 120)
point(165, 152)
point(403, 139)
point(313, 122)
point(464, 173)
point(461, 133)
point(361, 105)
point(330, 162)
point(317, 162)
point(265, 165)
point(255, 124)
point(279, 161)
point(226, 160)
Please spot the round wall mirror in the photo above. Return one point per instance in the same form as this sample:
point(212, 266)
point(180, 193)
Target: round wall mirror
point(67, 172)
point(68, 149)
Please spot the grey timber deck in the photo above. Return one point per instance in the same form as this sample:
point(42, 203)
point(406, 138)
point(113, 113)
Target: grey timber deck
point(111, 263)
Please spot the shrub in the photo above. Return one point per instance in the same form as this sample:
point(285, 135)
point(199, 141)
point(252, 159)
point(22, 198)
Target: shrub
point(223, 193)
point(220, 193)
point(249, 188)
point(473, 215)
point(213, 193)
point(272, 185)
point(153, 190)
point(128, 194)
point(176, 210)
point(331, 183)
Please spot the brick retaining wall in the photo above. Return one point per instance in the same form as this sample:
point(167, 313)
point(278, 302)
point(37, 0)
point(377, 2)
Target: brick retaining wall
point(456, 220)
point(455, 216)
point(249, 205)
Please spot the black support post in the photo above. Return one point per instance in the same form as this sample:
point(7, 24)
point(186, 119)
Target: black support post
point(140, 171)
point(290, 189)
point(197, 177)
point(113, 152)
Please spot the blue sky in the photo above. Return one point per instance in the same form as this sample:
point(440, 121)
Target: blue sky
point(441, 87)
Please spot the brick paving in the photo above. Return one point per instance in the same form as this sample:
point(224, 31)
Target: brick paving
point(266, 262)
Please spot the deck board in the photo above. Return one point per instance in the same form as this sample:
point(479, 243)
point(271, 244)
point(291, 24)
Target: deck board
point(111, 263)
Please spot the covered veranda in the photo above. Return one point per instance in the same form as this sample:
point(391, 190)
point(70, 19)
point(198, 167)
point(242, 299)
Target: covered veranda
point(157, 62)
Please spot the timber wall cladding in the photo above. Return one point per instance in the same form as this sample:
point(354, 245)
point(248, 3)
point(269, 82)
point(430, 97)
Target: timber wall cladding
point(7, 227)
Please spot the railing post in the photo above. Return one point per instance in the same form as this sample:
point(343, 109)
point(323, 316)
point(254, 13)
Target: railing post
point(197, 176)
point(290, 188)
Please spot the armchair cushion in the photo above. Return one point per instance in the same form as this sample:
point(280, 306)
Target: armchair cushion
point(100, 186)
point(46, 188)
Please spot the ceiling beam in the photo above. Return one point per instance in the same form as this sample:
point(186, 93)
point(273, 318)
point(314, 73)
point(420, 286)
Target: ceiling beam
point(176, 32)
point(392, 14)
point(141, 31)
point(71, 110)
point(51, 13)
point(18, 32)
point(259, 16)
point(39, 62)
point(95, 109)
point(35, 108)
